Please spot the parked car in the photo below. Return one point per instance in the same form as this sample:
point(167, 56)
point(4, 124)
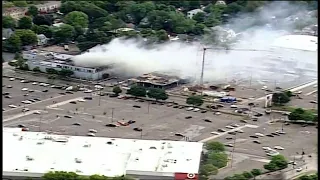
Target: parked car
point(136, 106)
point(179, 134)
point(73, 102)
point(188, 117)
point(257, 142)
point(111, 125)
point(221, 130)
point(253, 136)
point(207, 120)
point(76, 124)
point(67, 116)
point(215, 133)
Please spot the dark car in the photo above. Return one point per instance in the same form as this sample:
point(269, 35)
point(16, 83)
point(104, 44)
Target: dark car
point(153, 102)
point(69, 92)
point(76, 124)
point(45, 90)
point(175, 106)
point(136, 106)
point(243, 121)
point(258, 115)
point(179, 134)
point(131, 121)
point(221, 130)
point(21, 126)
point(9, 97)
point(67, 116)
point(220, 105)
point(229, 138)
point(275, 134)
point(253, 136)
point(88, 98)
point(37, 99)
point(203, 111)
point(269, 135)
point(113, 95)
point(188, 117)
point(137, 129)
point(232, 133)
point(111, 125)
point(5, 93)
point(73, 102)
point(257, 142)
point(62, 93)
point(207, 120)
point(181, 107)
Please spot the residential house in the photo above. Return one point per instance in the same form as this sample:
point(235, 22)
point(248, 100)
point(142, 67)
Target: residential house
point(220, 3)
point(42, 39)
point(50, 6)
point(6, 33)
point(191, 13)
point(14, 12)
point(57, 24)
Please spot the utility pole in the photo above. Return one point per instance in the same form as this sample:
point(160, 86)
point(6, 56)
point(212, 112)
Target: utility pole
point(99, 97)
point(40, 123)
point(202, 66)
point(112, 109)
point(148, 106)
point(275, 84)
point(141, 131)
point(234, 146)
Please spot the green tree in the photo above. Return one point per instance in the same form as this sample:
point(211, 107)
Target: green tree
point(33, 10)
point(13, 44)
point(25, 23)
point(63, 33)
point(199, 29)
point(46, 30)
point(270, 167)
point(36, 69)
point(208, 170)
point(199, 17)
point(27, 36)
point(51, 71)
point(247, 174)
point(8, 5)
point(162, 35)
point(280, 98)
point(215, 146)
point(117, 90)
point(20, 3)
point(218, 159)
point(77, 18)
point(277, 162)
point(8, 22)
point(43, 20)
point(139, 10)
point(195, 100)
point(256, 172)
point(65, 72)
point(157, 94)
point(239, 177)
point(138, 91)
point(60, 175)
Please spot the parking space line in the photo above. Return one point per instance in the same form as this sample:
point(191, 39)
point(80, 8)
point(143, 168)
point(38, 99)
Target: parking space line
point(312, 92)
point(26, 105)
point(19, 115)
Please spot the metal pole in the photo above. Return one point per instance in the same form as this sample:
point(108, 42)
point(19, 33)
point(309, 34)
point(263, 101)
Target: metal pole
point(141, 134)
point(40, 123)
point(202, 66)
point(234, 144)
point(148, 106)
point(112, 114)
point(99, 97)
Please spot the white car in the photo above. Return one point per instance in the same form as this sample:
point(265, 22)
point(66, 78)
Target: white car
point(12, 79)
point(37, 112)
point(12, 106)
point(34, 83)
point(233, 106)
point(91, 134)
point(26, 102)
point(299, 169)
point(229, 145)
point(217, 113)
point(259, 134)
point(189, 109)
point(24, 89)
point(266, 148)
point(23, 81)
point(88, 91)
point(229, 127)
point(45, 85)
point(196, 109)
point(273, 153)
point(215, 133)
point(93, 131)
point(278, 148)
point(280, 132)
point(81, 100)
point(42, 84)
point(239, 131)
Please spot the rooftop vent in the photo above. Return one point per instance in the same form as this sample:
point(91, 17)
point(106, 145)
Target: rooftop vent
point(21, 137)
point(164, 165)
point(61, 140)
point(87, 145)
point(40, 142)
point(109, 142)
point(78, 160)
point(48, 138)
point(14, 134)
point(78, 171)
point(152, 147)
point(29, 158)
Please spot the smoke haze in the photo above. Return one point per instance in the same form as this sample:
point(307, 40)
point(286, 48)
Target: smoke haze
point(130, 58)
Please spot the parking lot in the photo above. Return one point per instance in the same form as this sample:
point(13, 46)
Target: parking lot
point(295, 140)
point(15, 91)
point(159, 122)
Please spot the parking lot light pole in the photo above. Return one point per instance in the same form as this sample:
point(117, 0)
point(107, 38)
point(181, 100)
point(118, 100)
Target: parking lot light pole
point(40, 123)
point(99, 97)
point(234, 144)
point(148, 106)
point(112, 109)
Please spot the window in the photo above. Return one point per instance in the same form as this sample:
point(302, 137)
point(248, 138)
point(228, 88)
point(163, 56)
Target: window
point(89, 71)
point(59, 66)
point(77, 69)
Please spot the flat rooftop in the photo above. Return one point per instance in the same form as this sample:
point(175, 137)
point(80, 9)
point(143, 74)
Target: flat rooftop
point(156, 79)
point(40, 152)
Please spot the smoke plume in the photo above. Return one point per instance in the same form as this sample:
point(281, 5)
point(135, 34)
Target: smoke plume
point(252, 33)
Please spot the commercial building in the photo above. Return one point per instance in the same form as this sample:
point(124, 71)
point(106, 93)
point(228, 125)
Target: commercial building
point(156, 80)
point(51, 6)
point(31, 154)
point(15, 12)
point(44, 60)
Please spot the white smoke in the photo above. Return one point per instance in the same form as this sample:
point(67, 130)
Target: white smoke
point(130, 58)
